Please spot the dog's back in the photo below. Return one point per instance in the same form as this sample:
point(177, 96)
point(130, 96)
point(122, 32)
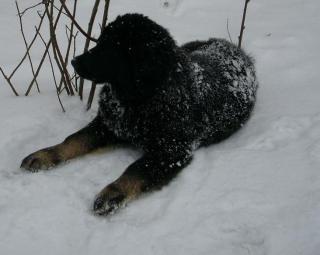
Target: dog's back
point(224, 80)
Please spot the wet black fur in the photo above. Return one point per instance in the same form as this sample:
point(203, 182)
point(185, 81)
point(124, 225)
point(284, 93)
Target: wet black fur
point(167, 100)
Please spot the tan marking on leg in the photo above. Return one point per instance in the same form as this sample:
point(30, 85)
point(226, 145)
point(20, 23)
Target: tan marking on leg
point(54, 155)
point(129, 186)
point(74, 148)
point(117, 195)
point(132, 186)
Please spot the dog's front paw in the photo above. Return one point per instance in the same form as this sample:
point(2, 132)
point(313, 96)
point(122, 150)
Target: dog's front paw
point(41, 160)
point(109, 201)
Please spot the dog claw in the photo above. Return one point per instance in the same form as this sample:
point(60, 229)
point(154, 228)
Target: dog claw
point(30, 163)
point(43, 159)
point(105, 206)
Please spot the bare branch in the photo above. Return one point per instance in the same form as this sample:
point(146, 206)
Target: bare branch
point(27, 9)
point(76, 23)
point(57, 53)
point(229, 31)
point(103, 24)
point(66, 59)
point(28, 49)
point(91, 95)
point(105, 14)
point(45, 53)
point(26, 44)
point(9, 82)
point(243, 22)
point(53, 73)
point(86, 47)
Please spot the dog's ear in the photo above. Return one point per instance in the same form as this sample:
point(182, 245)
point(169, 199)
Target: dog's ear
point(146, 54)
point(152, 60)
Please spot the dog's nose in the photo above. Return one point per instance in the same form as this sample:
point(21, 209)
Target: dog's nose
point(74, 62)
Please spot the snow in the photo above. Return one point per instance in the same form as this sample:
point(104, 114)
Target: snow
point(256, 193)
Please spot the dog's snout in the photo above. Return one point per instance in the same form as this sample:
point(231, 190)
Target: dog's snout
point(81, 67)
point(74, 62)
point(78, 66)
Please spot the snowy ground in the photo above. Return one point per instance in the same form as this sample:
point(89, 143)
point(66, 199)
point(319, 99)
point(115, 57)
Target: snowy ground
point(256, 193)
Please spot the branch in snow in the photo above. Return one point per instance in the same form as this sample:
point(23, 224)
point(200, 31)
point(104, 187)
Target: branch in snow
point(243, 22)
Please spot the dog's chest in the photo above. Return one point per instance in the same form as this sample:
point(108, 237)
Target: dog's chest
point(119, 119)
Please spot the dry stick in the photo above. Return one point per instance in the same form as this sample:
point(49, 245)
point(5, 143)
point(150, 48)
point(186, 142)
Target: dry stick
point(58, 9)
point(53, 73)
point(50, 60)
point(25, 55)
point(74, 42)
point(243, 22)
point(104, 23)
point(45, 54)
point(76, 23)
point(38, 69)
point(86, 47)
point(229, 31)
point(62, 62)
point(57, 53)
point(74, 55)
point(29, 48)
point(91, 95)
point(26, 44)
point(66, 59)
point(31, 7)
point(50, 17)
point(105, 14)
point(46, 50)
point(9, 82)
point(74, 76)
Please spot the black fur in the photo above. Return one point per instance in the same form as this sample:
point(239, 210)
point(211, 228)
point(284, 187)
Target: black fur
point(165, 99)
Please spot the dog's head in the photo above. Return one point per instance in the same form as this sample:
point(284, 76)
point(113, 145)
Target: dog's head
point(133, 53)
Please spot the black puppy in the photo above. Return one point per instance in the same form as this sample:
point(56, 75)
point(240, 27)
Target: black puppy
point(165, 99)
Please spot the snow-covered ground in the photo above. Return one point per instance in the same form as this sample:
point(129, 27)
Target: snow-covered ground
point(256, 193)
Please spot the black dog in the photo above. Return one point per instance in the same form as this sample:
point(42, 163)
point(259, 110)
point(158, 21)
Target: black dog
point(165, 99)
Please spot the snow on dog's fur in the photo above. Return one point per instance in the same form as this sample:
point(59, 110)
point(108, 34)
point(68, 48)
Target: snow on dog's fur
point(167, 100)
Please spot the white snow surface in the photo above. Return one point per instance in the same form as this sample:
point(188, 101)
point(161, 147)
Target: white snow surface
point(256, 193)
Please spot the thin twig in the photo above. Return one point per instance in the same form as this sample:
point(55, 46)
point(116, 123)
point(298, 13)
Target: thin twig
point(243, 22)
point(103, 24)
point(75, 44)
point(8, 78)
point(229, 31)
point(9, 82)
point(87, 44)
point(45, 53)
point(66, 59)
point(28, 50)
point(27, 9)
point(76, 23)
point(105, 14)
point(57, 53)
point(53, 74)
point(26, 44)
point(91, 95)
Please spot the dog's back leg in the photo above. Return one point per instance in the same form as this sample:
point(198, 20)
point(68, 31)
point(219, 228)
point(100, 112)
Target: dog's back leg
point(91, 137)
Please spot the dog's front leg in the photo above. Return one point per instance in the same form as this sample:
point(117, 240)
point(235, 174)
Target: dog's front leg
point(91, 137)
point(148, 173)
